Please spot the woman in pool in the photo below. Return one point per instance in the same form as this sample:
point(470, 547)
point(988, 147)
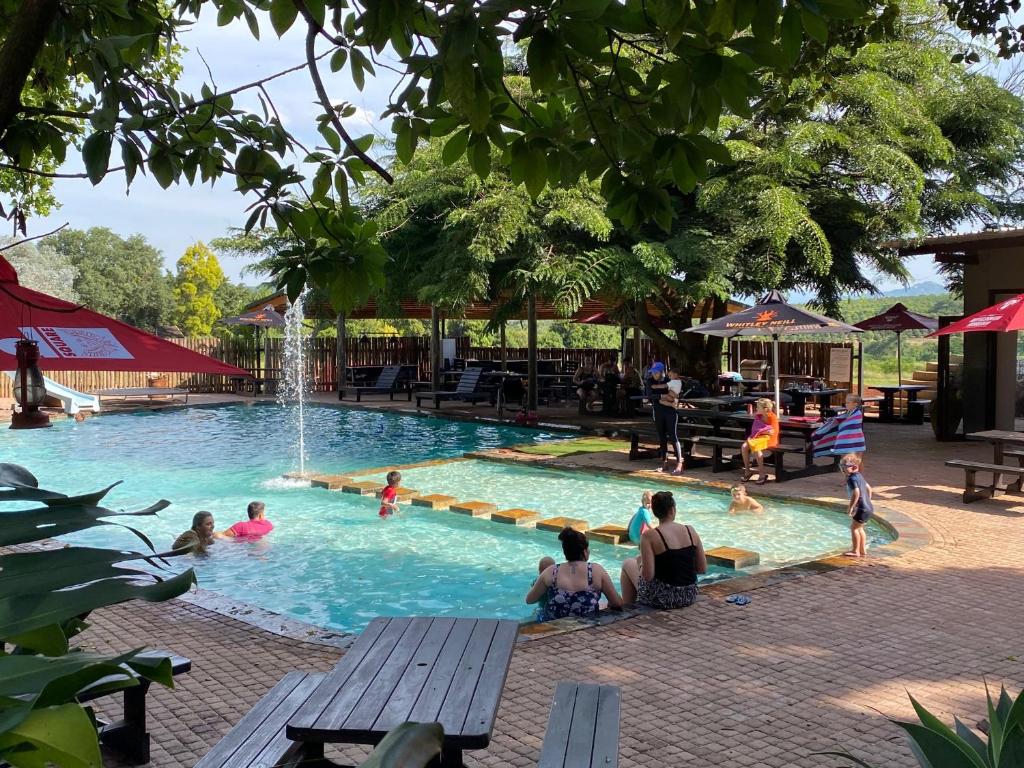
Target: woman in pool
point(197, 538)
point(573, 588)
point(671, 556)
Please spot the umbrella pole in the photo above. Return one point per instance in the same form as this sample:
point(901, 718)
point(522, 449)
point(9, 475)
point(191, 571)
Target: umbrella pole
point(899, 358)
point(775, 370)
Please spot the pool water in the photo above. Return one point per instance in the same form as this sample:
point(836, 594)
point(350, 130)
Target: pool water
point(330, 560)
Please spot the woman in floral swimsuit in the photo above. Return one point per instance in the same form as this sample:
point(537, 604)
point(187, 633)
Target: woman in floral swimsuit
point(573, 588)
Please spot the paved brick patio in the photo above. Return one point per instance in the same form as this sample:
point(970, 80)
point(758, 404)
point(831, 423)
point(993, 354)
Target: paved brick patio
point(812, 664)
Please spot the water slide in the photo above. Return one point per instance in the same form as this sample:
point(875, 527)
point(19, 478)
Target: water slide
point(72, 400)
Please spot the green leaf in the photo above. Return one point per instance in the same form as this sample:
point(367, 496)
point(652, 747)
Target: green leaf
point(542, 60)
point(360, 66)
point(96, 155)
point(938, 749)
point(584, 9)
point(815, 26)
point(455, 147)
point(722, 19)
point(405, 142)
point(23, 573)
point(932, 723)
point(23, 526)
point(409, 744)
point(535, 171)
point(338, 59)
point(64, 735)
point(251, 21)
point(791, 34)
point(682, 173)
point(480, 157)
point(322, 182)
point(282, 15)
point(162, 168)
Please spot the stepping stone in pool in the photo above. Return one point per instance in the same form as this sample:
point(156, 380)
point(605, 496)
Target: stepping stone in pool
point(609, 534)
point(363, 488)
point(732, 557)
point(330, 482)
point(473, 508)
point(434, 501)
point(404, 494)
point(296, 475)
point(516, 516)
point(558, 523)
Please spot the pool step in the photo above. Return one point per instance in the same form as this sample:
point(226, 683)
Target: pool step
point(558, 523)
point(330, 482)
point(434, 501)
point(732, 557)
point(473, 508)
point(609, 534)
point(524, 517)
point(363, 487)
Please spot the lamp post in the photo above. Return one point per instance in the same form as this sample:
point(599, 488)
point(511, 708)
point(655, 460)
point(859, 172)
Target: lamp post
point(29, 388)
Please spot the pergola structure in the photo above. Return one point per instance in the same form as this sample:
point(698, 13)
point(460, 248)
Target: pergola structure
point(409, 309)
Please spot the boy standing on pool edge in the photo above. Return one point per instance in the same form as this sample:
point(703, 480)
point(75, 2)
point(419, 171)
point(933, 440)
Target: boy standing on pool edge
point(389, 496)
point(861, 509)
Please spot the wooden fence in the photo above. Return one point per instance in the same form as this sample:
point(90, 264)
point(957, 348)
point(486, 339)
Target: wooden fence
point(804, 358)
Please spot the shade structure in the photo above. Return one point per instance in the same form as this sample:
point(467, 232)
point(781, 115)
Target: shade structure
point(1007, 315)
point(267, 317)
point(73, 338)
point(899, 319)
point(772, 316)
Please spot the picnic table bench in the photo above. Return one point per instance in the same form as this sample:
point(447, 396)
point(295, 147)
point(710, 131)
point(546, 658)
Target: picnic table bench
point(722, 463)
point(583, 727)
point(999, 439)
point(129, 735)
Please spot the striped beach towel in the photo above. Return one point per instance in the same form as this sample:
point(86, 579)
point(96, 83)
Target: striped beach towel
point(842, 434)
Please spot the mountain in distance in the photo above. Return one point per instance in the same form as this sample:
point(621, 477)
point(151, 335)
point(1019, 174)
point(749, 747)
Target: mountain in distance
point(926, 288)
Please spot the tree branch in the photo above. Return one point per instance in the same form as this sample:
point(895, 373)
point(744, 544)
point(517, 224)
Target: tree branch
point(25, 38)
point(30, 239)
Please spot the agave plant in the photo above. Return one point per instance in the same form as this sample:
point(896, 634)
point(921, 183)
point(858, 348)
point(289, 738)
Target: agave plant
point(936, 745)
point(409, 745)
point(46, 592)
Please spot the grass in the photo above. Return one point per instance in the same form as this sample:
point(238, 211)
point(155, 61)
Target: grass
point(570, 447)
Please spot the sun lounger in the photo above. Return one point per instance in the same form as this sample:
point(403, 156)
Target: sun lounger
point(468, 390)
point(148, 392)
point(387, 384)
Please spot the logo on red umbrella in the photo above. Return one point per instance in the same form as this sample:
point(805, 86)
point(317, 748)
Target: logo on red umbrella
point(94, 343)
point(767, 316)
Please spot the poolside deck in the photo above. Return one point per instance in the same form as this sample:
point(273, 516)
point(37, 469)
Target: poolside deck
point(814, 663)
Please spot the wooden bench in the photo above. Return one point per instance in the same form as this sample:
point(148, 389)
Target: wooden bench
point(129, 735)
point(583, 727)
point(644, 444)
point(722, 463)
point(973, 491)
point(259, 739)
point(915, 410)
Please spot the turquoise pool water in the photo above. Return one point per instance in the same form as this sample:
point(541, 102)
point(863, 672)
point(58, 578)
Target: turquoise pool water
point(330, 560)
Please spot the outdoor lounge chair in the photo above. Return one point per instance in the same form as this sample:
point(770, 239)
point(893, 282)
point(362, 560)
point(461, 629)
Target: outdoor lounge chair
point(387, 384)
point(468, 390)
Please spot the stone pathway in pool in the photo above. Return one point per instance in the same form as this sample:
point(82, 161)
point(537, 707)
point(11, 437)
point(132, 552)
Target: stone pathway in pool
point(815, 662)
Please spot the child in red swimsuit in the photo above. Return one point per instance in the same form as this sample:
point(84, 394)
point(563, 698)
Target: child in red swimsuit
point(389, 496)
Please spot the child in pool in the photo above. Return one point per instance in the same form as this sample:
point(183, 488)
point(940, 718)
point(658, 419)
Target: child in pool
point(543, 565)
point(861, 509)
point(741, 502)
point(642, 519)
point(389, 496)
point(764, 434)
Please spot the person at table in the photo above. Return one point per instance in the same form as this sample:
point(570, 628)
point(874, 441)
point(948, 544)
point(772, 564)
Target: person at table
point(573, 588)
point(642, 520)
point(671, 557)
point(257, 526)
point(585, 381)
point(666, 418)
point(632, 387)
point(741, 502)
point(844, 433)
point(197, 538)
point(609, 378)
point(764, 434)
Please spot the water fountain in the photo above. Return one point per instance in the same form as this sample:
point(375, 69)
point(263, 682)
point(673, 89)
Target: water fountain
point(292, 390)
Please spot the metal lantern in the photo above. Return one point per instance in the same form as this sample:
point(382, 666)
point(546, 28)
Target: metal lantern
point(29, 387)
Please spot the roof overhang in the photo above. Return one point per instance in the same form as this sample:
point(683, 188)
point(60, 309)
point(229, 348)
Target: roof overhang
point(960, 249)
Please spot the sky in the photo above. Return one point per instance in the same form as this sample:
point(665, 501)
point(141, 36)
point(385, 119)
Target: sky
point(177, 217)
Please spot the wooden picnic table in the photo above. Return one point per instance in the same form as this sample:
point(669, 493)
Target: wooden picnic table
point(888, 410)
point(446, 670)
point(1000, 438)
point(722, 403)
point(801, 396)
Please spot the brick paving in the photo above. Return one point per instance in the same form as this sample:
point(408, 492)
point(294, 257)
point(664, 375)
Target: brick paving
point(814, 663)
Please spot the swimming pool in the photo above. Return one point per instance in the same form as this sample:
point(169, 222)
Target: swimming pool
point(330, 560)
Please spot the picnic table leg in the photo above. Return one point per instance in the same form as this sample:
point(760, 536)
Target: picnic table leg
point(888, 403)
point(998, 486)
point(799, 407)
point(128, 736)
point(451, 758)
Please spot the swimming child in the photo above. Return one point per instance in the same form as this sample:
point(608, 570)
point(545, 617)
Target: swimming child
point(542, 604)
point(764, 434)
point(389, 496)
point(741, 502)
point(642, 519)
point(861, 509)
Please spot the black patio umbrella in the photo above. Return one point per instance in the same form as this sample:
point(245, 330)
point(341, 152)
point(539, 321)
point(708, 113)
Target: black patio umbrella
point(772, 316)
point(258, 318)
point(899, 319)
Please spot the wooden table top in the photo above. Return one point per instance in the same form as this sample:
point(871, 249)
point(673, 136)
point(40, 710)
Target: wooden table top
point(446, 670)
point(998, 436)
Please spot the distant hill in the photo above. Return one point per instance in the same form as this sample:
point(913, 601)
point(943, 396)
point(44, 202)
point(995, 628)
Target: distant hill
point(927, 288)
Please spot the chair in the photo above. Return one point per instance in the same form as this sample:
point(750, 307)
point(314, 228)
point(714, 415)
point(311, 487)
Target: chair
point(468, 390)
point(753, 370)
point(387, 384)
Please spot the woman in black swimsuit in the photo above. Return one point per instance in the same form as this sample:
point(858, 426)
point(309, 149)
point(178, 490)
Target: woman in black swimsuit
point(671, 556)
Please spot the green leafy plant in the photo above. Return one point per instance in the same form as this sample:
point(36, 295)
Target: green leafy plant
point(935, 744)
point(409, 745)
point(45, 595)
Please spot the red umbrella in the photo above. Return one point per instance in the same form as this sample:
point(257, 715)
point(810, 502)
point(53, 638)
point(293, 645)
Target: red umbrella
point(73, 338)
point(1007, 315)
point(899, 319)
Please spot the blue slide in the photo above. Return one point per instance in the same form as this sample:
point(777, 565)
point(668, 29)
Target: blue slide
point(72, 400)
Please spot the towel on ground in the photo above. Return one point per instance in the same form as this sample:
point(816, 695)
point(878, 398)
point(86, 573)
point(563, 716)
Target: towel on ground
point(839, 435)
